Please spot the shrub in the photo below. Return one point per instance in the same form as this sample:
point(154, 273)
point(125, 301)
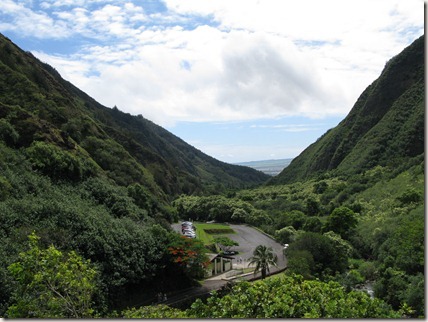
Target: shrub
point(57, 163)
point(8, 133)
point(51, 284)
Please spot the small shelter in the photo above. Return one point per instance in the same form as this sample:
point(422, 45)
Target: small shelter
point(219, 264)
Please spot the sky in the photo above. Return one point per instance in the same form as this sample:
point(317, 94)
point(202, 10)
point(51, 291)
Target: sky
point(241, 80)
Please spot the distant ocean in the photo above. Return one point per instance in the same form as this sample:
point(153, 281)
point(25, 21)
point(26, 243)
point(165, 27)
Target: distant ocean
point(270, 167)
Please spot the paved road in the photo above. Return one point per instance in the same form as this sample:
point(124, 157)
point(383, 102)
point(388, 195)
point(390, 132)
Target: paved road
point(248, 239)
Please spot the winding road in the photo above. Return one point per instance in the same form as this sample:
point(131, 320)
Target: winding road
point(248, 239)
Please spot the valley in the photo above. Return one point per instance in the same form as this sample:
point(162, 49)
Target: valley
point(270, 167)
point(88, 195)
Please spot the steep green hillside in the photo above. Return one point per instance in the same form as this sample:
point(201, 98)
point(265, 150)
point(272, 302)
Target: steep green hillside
point(385, 127)
point(97, 181)
point(41, 106)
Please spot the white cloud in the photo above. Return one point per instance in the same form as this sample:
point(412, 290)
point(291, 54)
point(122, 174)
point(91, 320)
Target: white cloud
point(231, 76)
point(23, 20)
point(263, 77)
point(264, 59)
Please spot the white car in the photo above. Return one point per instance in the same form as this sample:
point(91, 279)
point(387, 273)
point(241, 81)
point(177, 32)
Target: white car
point(189, 234)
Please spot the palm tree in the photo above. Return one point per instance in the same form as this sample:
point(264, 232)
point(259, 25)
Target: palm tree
point(263, 257)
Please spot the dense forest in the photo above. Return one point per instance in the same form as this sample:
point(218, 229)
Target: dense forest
point(88, 195)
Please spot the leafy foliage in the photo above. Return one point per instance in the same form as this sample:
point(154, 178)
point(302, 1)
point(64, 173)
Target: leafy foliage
point(96, 182)
point(218, 208)
point(328, 255)
point(95, 218)
point(59, 164)
point(291, 297)
point(51, 284)
point(286, 235)
point(385, 127)
point(342, 220)
point(263, 257)
point(189, 255)
point(159, 311)
point(225, 243)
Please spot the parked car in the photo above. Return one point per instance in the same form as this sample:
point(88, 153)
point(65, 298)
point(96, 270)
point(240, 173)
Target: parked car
point(230, 252)
point(190, 234)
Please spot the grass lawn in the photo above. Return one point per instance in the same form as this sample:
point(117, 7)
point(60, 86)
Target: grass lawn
point(207, 232)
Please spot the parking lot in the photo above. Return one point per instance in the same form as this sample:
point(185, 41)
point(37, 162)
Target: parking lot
point(248, 239)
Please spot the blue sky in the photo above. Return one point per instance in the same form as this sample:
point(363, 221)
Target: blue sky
point(240, 80)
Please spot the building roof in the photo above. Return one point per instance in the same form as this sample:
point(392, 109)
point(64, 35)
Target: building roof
point(212, 256)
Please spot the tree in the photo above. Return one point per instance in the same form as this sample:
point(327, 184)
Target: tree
point(160, 311)
point(409, 196)
point(329, 253)
point(225, 243)
point(286, 235)
point(312, 207)
point(51, 284)
point(8, 133)
point(263, 257)
point(239, 215)
point(257, 218)
point(291, 297)
point(300, 262)
point(342, 220)
point(313, 224)
point(189, 255)
point(58, 163)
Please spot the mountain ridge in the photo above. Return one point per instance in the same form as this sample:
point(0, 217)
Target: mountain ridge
point(385, 126)
point(50, 103)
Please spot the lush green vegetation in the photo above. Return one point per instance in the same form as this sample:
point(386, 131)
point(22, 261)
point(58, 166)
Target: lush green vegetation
point(97, 189)
point(385, 127)
point(263, 258)
point(365, 228)
point(291, 297)
point(51, 284)
point(278, 297)
point(208, 232)
point(120, 232)
point(37, 106)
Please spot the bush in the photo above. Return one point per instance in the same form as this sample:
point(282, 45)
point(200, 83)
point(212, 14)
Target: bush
point(300, 262)
point(160, 311)
point(285, 235)
point(329, 255)
point(8, 133)
point(51, 284)
point(342, 221)
point(290, 297)
point(368, 270)
point(59, 164)
point(313, 224)
point(410, 196)
point(5, 188)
